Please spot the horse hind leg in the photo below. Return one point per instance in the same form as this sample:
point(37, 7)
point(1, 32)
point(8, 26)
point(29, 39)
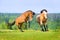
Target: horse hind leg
point(20, 27)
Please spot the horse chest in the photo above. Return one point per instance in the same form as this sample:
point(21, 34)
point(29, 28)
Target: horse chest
point(43, 19)
point(27, 18)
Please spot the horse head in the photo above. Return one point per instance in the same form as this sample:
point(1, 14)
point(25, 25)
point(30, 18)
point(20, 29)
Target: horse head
point(44, 11)
point(31, 14)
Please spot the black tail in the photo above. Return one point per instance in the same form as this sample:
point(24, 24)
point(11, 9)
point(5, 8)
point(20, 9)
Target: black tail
point(10, 25)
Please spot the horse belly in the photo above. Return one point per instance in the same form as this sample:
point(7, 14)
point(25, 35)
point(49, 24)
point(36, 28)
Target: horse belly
point(19, 20)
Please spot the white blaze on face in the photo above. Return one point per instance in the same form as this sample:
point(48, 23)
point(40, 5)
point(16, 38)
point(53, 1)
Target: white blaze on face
point(45, 14)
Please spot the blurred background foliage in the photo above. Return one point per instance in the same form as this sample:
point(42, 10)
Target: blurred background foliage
point(53, 21)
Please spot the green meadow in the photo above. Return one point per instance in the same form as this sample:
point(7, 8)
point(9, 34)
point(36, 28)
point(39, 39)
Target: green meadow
point(28, 35)
point(33, 33)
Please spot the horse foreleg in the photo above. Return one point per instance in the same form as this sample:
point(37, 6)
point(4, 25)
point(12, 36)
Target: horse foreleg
point(29, 24)
point(46, 27)
point(41, 26)
point(26, 25)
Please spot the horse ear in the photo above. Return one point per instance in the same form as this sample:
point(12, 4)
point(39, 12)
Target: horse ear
point(43, 10)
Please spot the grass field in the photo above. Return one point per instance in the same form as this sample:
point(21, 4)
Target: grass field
point(32, 34)
point(28, 35)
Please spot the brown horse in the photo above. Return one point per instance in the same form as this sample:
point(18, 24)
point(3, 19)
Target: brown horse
point(42, 20)
point(25, 17)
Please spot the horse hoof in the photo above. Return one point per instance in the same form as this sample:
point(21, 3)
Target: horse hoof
point(47, 30)
point(22, 31)
point(42, 30)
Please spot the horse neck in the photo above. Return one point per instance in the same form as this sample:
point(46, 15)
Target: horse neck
point(44, 15)
point(26, 15)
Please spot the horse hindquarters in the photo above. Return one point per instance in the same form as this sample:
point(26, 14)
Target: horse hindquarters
point(20, 27)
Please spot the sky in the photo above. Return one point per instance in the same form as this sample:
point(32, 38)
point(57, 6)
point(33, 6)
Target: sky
point(20, 6)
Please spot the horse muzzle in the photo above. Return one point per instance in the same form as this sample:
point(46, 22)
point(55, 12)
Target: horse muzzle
point(33, 13)
point(30, 20)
